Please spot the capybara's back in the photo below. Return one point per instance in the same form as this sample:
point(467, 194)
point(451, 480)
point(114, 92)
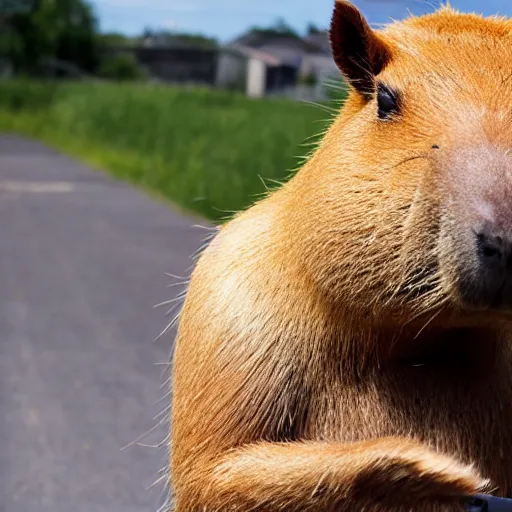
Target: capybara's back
point(345, 344)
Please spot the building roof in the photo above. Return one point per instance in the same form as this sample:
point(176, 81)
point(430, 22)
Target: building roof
point(253, 53)
point(281, 50)
point(287, 55)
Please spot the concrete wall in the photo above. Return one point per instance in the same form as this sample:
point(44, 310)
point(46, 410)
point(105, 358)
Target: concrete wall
point(323, 67)
point(232, 72)
point(256, 78)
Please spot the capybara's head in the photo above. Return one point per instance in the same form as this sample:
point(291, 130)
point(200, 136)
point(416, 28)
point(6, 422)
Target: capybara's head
point(405, 209)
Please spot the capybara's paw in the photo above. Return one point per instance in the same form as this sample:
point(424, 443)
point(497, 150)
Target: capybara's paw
point(408, 472)
point(441, 476)
point(455, 506)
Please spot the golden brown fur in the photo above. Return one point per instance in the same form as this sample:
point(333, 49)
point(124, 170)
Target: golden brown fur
point(324, 360)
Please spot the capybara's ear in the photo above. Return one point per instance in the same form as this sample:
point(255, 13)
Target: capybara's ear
point(359, 52)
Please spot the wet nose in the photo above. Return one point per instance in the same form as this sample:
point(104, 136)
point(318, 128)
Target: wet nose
point(490, 283)
point(495, 254)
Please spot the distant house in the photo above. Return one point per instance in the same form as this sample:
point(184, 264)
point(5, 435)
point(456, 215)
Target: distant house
point(259, 63)
point(264, 64)
point(180, 63)
point(255, 72)
point(173, 57)
point(319, 63)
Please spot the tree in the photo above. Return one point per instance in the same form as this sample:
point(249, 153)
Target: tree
point(121, 67)
point(76, 42)
point(114, 39)
point(10, 7)
point(313, 29)
point(280, 28)
point(196, 40)
point(172, 38)
point(49, 29)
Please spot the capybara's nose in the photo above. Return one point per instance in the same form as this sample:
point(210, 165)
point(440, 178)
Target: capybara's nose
point(491, 284)
point(485, 280)
point(495, 254)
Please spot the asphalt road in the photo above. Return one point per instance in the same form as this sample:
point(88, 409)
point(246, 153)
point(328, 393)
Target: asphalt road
point(82, 263)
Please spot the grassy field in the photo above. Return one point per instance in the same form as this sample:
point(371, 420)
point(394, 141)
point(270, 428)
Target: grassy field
point(208, 152)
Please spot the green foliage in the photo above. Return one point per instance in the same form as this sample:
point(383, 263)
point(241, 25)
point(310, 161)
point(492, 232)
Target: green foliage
point(196, 40)
point(313, 29)
point(210, 152)
point(10, 7)
point(26, 95)
point(336, 90)
point(309, 79)
point(121, 67)
point(113, 40)
point(279, 29)
point(171, 38)
point(49, 29)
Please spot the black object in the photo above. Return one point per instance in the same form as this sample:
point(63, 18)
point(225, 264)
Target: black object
point(485, 503)
point(387, 101)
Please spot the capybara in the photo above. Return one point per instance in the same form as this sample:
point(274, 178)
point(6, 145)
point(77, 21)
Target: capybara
point(346, 343)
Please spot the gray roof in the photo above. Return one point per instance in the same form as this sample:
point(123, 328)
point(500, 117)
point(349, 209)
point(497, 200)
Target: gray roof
point(252, 53)
point(281, 50)
point(286, 55)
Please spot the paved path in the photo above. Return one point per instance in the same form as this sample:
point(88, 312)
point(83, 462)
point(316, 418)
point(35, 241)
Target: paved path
point(82, 263)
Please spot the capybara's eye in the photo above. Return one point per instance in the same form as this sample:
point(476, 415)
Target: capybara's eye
point(387, 101)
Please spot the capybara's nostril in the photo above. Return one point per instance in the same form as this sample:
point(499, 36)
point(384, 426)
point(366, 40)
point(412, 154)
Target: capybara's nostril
point(489, 282)
point(492, 249)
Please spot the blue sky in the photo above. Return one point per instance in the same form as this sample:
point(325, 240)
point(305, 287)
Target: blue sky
point(225, 19)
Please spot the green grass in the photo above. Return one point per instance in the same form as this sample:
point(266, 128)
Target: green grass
point(208, 152)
